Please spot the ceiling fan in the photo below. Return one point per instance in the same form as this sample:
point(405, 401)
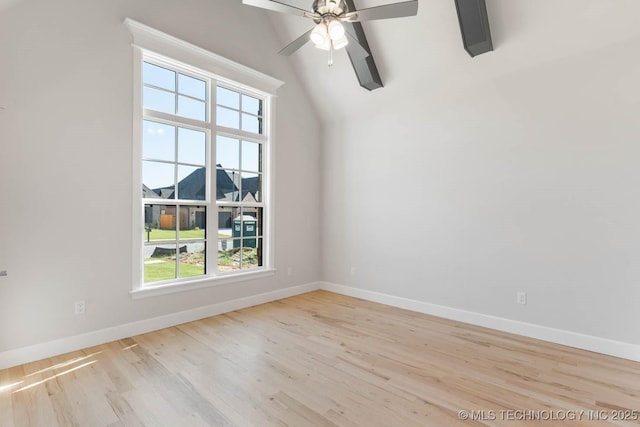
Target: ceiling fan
point(329, 33)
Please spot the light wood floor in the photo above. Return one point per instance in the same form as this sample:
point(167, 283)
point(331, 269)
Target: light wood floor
point(320, 359)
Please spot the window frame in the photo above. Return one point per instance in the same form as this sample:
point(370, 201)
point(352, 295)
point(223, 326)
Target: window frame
point(164, 50)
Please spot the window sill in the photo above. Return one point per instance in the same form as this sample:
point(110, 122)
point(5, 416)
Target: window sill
point(200, 283)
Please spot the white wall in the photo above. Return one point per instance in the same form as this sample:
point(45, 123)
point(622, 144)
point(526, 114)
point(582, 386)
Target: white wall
point(65, 161)
point(459, 183)
point(462, 189)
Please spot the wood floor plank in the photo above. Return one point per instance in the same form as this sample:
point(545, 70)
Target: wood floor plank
point(320, 359)
point(7, 384)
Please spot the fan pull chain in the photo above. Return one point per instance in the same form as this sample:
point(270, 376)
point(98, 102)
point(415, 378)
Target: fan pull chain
point(331, 54)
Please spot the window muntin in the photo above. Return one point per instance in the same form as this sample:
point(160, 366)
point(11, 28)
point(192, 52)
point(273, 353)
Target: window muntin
point(181, 159)
point(236, 110)
point(172, 92)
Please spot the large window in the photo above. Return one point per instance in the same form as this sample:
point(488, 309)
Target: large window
point(202, 144)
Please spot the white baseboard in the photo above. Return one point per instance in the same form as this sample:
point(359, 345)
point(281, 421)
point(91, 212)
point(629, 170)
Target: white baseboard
point(77, 342)
point(557, 336)
point(35, 352)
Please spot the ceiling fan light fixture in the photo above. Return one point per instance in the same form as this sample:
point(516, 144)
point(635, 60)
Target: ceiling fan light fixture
point(340, 43)
point(319, 35)
point(336, 30)
point(326, 45)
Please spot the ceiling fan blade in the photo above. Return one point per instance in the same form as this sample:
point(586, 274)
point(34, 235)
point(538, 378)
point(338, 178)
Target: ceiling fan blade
point(354, 47)
point(394, 10)
point(296, 44)
point(276, 7)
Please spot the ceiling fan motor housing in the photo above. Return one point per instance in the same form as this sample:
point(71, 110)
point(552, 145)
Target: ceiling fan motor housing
point(329, 7)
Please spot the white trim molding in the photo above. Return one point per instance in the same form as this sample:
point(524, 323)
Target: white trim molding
point(558, 336)
point(164, 44)
point(35, 352)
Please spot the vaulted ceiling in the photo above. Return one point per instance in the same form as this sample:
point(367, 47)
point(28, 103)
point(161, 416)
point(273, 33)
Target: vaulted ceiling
point(423, 56)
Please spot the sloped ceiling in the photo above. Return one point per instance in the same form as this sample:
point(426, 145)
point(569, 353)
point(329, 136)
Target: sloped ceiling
point(423, 56)
point(6, 3)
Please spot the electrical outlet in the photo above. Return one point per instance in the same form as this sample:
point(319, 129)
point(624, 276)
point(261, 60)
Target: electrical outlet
point(352, 272)
point(3, 273)
point(522, 298)
point(289, 271)
point(80, 307)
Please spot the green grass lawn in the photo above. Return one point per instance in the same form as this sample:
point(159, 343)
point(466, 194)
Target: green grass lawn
point(167, 270)
point(157, 234)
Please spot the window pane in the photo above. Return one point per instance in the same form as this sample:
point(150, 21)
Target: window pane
point(252, 221)
point(227, 97)
point(159, 240)
point(159, 100)
point(192, 254)
point(158, 76)
point(229, 256)
point(192, 183)
point(240, 253)
point(192, 87)
point(226, 216)
point(251, 187)
point(160, 225)
point(251, 105)
point(193, 221)
point(157, 176)
point(227, 152)
point(158, 141)
point(192, 146)
point(248, 227)
point(228, 118)
point(251, 123)
point(191, 108)
point(159, 268)
point(228, 185)
point(192, 259)
point(251, 156)
point(251, 253)
point(244, 225)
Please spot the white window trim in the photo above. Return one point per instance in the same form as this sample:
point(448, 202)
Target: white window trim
point(146, 42)
point(156, 41)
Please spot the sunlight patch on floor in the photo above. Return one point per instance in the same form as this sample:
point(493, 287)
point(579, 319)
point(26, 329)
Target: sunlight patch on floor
point(55, 376)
